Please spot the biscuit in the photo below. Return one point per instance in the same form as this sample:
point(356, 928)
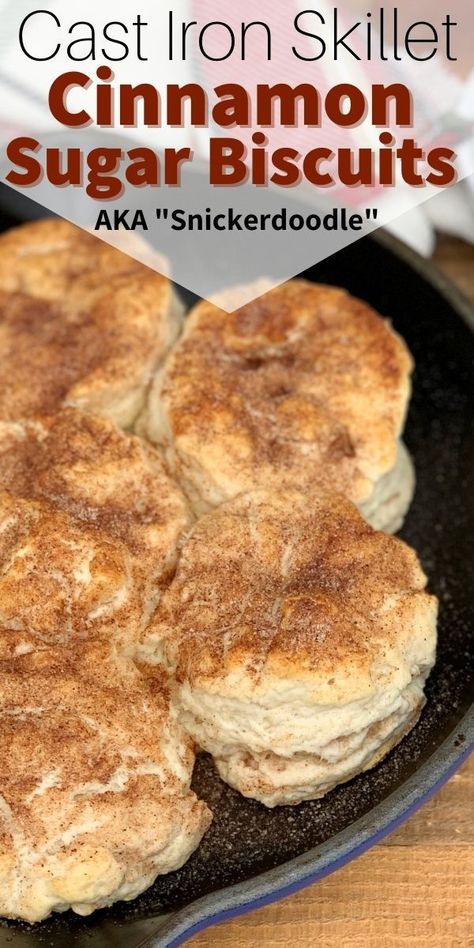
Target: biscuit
point(61, 582)
point(97, 523)
point(306, 386)
point(95, 797)
point(80, 323)
point(95, 781)
point(299, 639)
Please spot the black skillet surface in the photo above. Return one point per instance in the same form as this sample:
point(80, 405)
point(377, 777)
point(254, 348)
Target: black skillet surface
point(270, 853)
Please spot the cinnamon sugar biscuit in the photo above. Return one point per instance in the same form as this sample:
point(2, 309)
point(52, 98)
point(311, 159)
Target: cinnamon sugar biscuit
point(80, 323)
point(299, 639)
point(61, 582)
point(305, 386)
point(95, 781)
point(92, 506)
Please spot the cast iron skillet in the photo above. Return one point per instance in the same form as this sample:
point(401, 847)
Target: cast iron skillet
point(252, 855)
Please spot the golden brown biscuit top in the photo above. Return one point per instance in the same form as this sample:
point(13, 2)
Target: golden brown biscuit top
point(84, 680)
point(293, 587)
point(60, 581)
point(85, 466)
point(79, 321)
point(89, 748)
point(96, 525)
point(54, 260)
point(306, 385)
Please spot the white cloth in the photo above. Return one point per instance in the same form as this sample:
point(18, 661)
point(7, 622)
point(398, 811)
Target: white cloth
point(450, 211)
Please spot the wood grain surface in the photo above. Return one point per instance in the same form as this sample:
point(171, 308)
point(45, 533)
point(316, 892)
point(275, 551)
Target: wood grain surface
point(414, 890)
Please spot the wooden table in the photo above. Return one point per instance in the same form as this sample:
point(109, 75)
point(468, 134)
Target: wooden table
point(414, 890)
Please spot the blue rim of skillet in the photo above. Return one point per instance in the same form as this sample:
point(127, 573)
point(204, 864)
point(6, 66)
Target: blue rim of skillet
point(329, 856)
point(378, 822)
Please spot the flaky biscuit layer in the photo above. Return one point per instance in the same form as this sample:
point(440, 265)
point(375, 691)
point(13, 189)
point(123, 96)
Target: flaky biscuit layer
point(305, 386)
point(95, 780)
point(80, 323)
point(293, 628)
point(98, 522)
